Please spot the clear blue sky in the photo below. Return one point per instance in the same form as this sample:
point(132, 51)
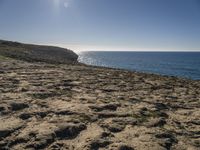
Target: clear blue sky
point(103, 24)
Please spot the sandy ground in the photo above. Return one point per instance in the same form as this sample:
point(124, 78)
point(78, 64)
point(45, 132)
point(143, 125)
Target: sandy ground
point(76, 107)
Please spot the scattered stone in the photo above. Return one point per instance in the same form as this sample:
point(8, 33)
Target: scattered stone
point(64, 112)
point(156, 122)
point(8, 126)
point(41, 142)
point(25, 116)
point(126, 120)
point(56, 146)
point(2, 108)
point(125, 147)
point(44, 95)
point(111, 107)
point(195, 122)
point(4, 133)
point(114, 127)
point(42, 114)
point(24, 89)
point(99, 143)
point(2, 71)
point(134, 100)
point(107, 114)
point(17, 141)
point(68, 130)
point(162, 114)
point(161, 106)
point(168, 139)
point(18, 106)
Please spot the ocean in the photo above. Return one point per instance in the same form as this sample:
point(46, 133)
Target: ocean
point(180, 64)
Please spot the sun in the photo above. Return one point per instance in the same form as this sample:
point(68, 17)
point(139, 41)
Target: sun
point(56, 2)
point(59, 3)
point(66, 4)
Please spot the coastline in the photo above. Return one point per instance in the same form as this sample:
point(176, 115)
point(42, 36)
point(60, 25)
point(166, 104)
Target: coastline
point(139, 72)
point(85, 107)
point(180, 64)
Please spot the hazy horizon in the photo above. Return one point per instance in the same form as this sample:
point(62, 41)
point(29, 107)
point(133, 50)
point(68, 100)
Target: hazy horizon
point(103, 25)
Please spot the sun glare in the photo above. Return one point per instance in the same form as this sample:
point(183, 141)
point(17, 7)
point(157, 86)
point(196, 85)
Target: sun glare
point(61, 3)
point(56, 2)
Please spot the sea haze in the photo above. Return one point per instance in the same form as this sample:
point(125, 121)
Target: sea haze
point(181, 64)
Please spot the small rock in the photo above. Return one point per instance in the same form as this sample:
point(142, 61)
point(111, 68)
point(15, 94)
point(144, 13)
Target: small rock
point(8, 126)
point(3, 144)
point(161, 106)
point(162, 114)
point(18, 141)
point(43, 141)
point(127, 120)
point(4, 133)
point(24, 90)
point(25, 116)
point(2, 71)
point(42, 114)
point(56, 146)
point(69, 131)
point(157, 122)
point(144, 109)
point(114, 127)
point(2, 108)
point(99, 143)
point(167, 135)
point(134, 100)
point(18, 106)
point(111, 107)
point(125, 147)
point(105, 134)
point(168, 139)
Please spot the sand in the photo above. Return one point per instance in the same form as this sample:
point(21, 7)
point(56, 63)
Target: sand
point(79, 107)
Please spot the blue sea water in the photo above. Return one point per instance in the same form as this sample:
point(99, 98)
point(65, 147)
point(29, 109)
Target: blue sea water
point(181, 64)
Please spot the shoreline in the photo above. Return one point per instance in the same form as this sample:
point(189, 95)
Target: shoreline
point(140, 72)
point(178, 65)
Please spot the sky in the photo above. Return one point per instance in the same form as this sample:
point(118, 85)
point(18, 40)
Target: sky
point(120, 25)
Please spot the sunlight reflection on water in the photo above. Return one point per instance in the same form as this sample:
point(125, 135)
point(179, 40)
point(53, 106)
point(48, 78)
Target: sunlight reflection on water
point(180, 64)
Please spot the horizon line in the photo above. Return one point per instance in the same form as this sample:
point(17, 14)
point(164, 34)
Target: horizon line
point(79, 49)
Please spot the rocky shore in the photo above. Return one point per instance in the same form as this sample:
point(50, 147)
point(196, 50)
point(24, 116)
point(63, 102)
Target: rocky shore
point(77, 107)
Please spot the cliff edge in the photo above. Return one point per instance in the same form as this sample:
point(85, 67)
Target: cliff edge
point(37, 53)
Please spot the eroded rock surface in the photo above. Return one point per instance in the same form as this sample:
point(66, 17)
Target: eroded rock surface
point(77, 107)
